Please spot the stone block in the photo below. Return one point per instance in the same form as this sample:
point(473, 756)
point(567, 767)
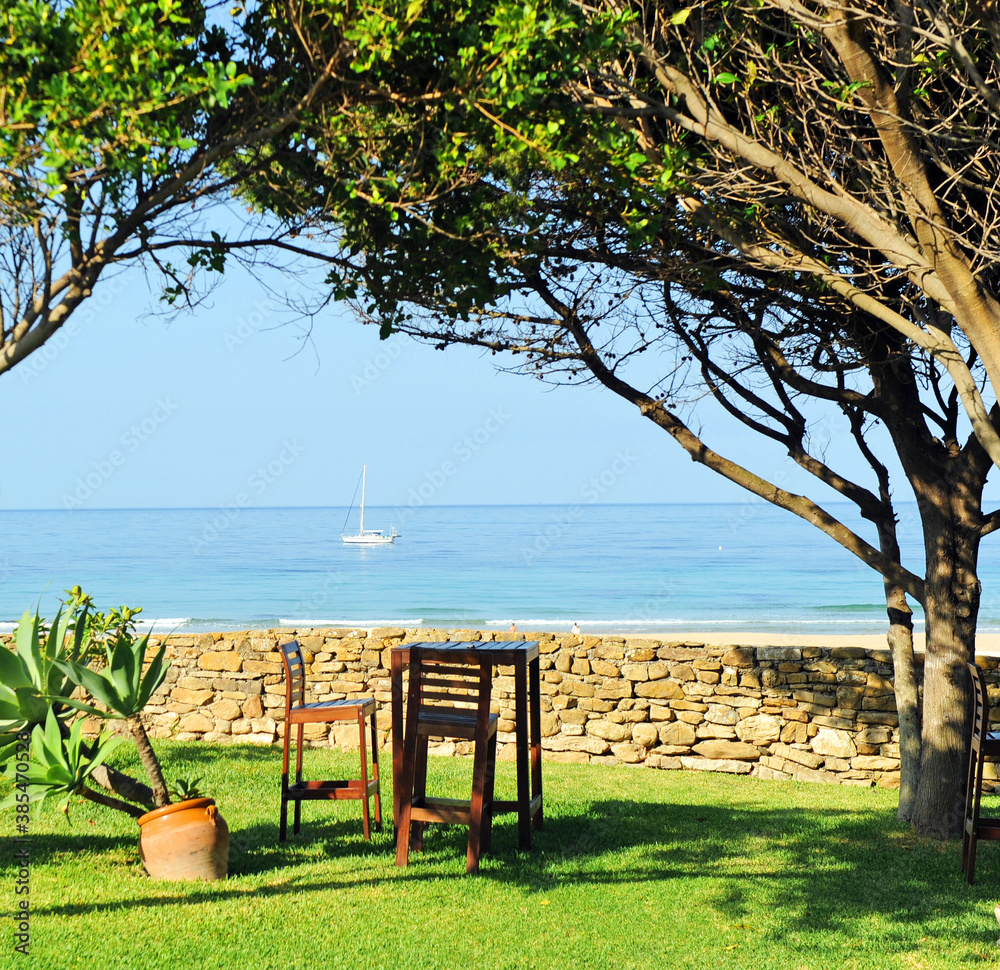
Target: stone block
point(801, 757)
point(605, 668)
point(834, 744)
point(597, 705)
point(645, 734)
point(888, 779)
point(759, 729)
point(195, 723)
point(690, 717)
point(874, 763)
point(567, 757)
point(738, 657)
point(195, 698)
point(875, 735)
point(768, 773)
point(721, 714)
point(794, 732)
point(726, 750)
point(610, 650)
point(263, 667)
point(678, 733)
point(225, 710)
point(801, 773)
point(613, 690)
point(628, 753)
point(663, 761)
point(258, 737)
point(707, 764)
point(779, 653)
point(212, 660)
point(659, 689)
point(591, 745)
point(608, 730)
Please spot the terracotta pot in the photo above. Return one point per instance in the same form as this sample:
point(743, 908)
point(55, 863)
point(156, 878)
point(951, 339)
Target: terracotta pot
point(189, 840)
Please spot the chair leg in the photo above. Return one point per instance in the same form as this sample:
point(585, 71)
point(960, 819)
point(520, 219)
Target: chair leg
point(283, 825)
point(375, 774)
point(479, 770)
point(970, 782)
point(297, 815)
point(974, 826)
point(365, 815)
point(405, 795)
point(491, 773)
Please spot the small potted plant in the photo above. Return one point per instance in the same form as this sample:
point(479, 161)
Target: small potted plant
point(95, 663)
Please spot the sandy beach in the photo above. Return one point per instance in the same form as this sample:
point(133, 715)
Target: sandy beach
point(987, 644)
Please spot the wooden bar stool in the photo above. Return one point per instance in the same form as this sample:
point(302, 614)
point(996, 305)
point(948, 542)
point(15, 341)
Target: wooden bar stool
point(448, 697)
point(299, 713)
point(985, 744)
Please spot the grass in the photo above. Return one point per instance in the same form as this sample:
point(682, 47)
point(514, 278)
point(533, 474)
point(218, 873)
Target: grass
point(633, 869)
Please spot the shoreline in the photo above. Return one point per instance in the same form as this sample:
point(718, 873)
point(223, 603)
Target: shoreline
point(987, 644)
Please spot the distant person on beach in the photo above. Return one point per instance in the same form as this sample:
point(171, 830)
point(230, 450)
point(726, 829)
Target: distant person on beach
point(513, 627)
point(576, 629)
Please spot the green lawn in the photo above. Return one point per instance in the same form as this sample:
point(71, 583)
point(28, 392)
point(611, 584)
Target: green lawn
point(633, 869)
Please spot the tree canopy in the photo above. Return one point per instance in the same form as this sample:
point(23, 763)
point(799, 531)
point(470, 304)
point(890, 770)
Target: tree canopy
point(788, 206)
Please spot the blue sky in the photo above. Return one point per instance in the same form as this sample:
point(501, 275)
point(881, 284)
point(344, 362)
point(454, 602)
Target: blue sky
point(226, 404)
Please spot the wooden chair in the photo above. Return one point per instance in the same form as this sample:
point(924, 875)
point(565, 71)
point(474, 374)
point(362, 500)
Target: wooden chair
point(448, 697)
point(299, 713)
point(985, 744)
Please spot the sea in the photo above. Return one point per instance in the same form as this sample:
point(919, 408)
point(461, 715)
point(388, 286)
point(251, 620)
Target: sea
point(612, 569)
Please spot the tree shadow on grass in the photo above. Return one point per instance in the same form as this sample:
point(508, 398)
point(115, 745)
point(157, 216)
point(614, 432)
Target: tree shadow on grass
point(819, 868)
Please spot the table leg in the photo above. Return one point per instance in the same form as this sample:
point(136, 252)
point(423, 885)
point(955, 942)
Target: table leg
point(396, 690)
point(523, 762)
point(535, 691)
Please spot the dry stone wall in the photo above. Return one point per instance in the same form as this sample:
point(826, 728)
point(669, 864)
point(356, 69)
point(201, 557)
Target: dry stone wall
point(810, 712)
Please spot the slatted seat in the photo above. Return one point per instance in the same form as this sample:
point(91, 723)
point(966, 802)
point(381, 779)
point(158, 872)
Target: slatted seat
point(985, 744)
point(299, 713)
point(447, 697)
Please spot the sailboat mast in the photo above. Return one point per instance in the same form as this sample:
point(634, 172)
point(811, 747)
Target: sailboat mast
point(364, 470)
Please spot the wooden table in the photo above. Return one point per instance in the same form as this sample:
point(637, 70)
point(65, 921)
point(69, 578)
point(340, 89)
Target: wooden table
point(522, 655)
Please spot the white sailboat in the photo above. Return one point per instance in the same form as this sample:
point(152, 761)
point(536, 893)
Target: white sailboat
point(367, 537)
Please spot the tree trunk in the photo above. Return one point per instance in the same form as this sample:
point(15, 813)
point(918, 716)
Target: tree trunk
point(900, 639)
point(123, 785)
point(951, 610)
point(149, 762)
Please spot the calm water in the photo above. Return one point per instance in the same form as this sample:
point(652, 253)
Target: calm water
point(612, 568)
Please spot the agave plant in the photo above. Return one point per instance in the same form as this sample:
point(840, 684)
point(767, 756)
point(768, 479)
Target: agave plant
point(85, 662)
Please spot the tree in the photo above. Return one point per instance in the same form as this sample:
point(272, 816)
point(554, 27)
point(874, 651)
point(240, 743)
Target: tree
point(790, 205)
point(125, 129)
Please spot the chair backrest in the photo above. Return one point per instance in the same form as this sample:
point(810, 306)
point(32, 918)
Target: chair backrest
point(451, 685)
point(981, 704)
point(446, 697)
point(295, 675)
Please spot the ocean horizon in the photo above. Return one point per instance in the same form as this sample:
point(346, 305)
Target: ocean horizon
point(614, 569)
